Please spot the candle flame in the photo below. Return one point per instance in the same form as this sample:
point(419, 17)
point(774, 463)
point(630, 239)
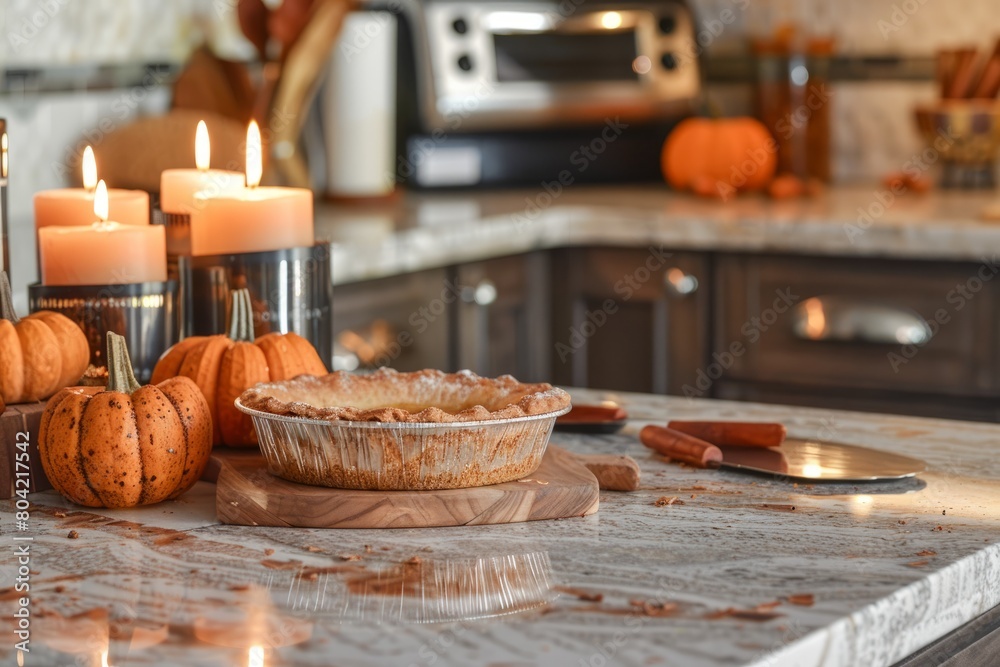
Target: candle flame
point(101, 201)
point(255, 658)
point(89, 169)
point(202, 147)
point(255, 163)
point(3, 167)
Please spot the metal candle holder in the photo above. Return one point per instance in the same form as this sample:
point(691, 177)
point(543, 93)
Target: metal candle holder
point(4, 242)
point(146, 314)
point(178, 232)
point(291, 291)
point(177, 228)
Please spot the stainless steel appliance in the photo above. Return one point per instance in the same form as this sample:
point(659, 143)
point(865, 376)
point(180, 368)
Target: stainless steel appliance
point(497, 93)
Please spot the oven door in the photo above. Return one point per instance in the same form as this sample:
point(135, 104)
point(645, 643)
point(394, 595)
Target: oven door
point(496, 66)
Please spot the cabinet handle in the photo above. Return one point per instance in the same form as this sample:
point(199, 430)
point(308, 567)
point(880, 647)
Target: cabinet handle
point(680, 283)
point(842, 319)
point(483, 294)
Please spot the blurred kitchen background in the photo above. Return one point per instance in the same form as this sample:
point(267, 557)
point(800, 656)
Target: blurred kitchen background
point(65, 65)
point(73, 71)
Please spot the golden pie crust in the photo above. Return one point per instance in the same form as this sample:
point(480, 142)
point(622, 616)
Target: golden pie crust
point(387, 396)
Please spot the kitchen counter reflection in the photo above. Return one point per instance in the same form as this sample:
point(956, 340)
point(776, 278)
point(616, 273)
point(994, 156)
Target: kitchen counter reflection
point(735, 570)
point(429, 230)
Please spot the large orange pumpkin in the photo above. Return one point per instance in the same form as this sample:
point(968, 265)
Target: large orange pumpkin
point(125, 445)
point(224, 366)
point(719, 157)
point(39, 354)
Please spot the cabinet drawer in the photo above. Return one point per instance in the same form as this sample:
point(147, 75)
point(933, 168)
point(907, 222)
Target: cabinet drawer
point(902, 326)
point(964, 408)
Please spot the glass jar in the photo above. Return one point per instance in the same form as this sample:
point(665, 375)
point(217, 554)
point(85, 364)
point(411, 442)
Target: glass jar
point(792, 46)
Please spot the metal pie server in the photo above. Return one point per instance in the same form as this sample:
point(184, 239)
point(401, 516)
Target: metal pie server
point(821, 461)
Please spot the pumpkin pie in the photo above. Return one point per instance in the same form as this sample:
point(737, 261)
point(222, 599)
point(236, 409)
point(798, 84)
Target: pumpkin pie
point(427, 396)
point(403, 431)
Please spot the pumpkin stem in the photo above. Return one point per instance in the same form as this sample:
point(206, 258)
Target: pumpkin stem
point(7, 300)
point(121, 378)
point(241, 319)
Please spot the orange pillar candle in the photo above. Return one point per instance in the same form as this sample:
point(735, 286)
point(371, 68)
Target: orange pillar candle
point(255, 219)
point(103, 253)
point(75, 206)
point(178, 186)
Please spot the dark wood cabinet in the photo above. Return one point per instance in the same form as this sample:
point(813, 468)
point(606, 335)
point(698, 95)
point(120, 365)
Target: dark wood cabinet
point(866, 334)
point(872, 334)
point(628, 319)
point(501, 322)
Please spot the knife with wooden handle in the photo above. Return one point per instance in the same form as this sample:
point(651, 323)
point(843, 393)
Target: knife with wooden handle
point(735, 434)
point(681, 446)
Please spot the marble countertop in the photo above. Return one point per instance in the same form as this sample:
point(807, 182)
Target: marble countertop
point(891, 567)
point(421, 231)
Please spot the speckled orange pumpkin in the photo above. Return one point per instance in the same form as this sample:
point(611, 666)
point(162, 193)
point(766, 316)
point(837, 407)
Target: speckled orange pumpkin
point(39, 354)
point(125, 445)
point(225, 366)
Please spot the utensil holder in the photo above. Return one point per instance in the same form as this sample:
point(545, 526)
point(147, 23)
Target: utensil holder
point(291, 291)
point(146, 314)
point(964, 136)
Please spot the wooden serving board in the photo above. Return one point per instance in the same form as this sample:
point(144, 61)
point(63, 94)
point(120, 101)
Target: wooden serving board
point(24, 418)
point(247, 495)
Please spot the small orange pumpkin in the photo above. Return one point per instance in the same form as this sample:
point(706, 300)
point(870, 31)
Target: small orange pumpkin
point(734, 154)
point(125, 445)
point(224, 366)
point(41, 353)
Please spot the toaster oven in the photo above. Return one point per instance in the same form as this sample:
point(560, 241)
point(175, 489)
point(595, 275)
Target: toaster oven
point(497, 65)
point(503, 92)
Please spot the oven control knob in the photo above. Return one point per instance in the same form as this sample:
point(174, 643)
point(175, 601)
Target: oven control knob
point(464, 63)
point(667, 24)
point(669, 61)
point(460, 26)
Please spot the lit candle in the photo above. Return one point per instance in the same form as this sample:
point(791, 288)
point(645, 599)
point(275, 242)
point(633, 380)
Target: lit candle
point(75, 206)
point(254, 219)
point(103, 253)
point(178, 186)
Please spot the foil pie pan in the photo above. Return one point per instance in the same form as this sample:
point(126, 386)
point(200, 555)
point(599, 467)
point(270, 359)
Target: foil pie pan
point(401, 456)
